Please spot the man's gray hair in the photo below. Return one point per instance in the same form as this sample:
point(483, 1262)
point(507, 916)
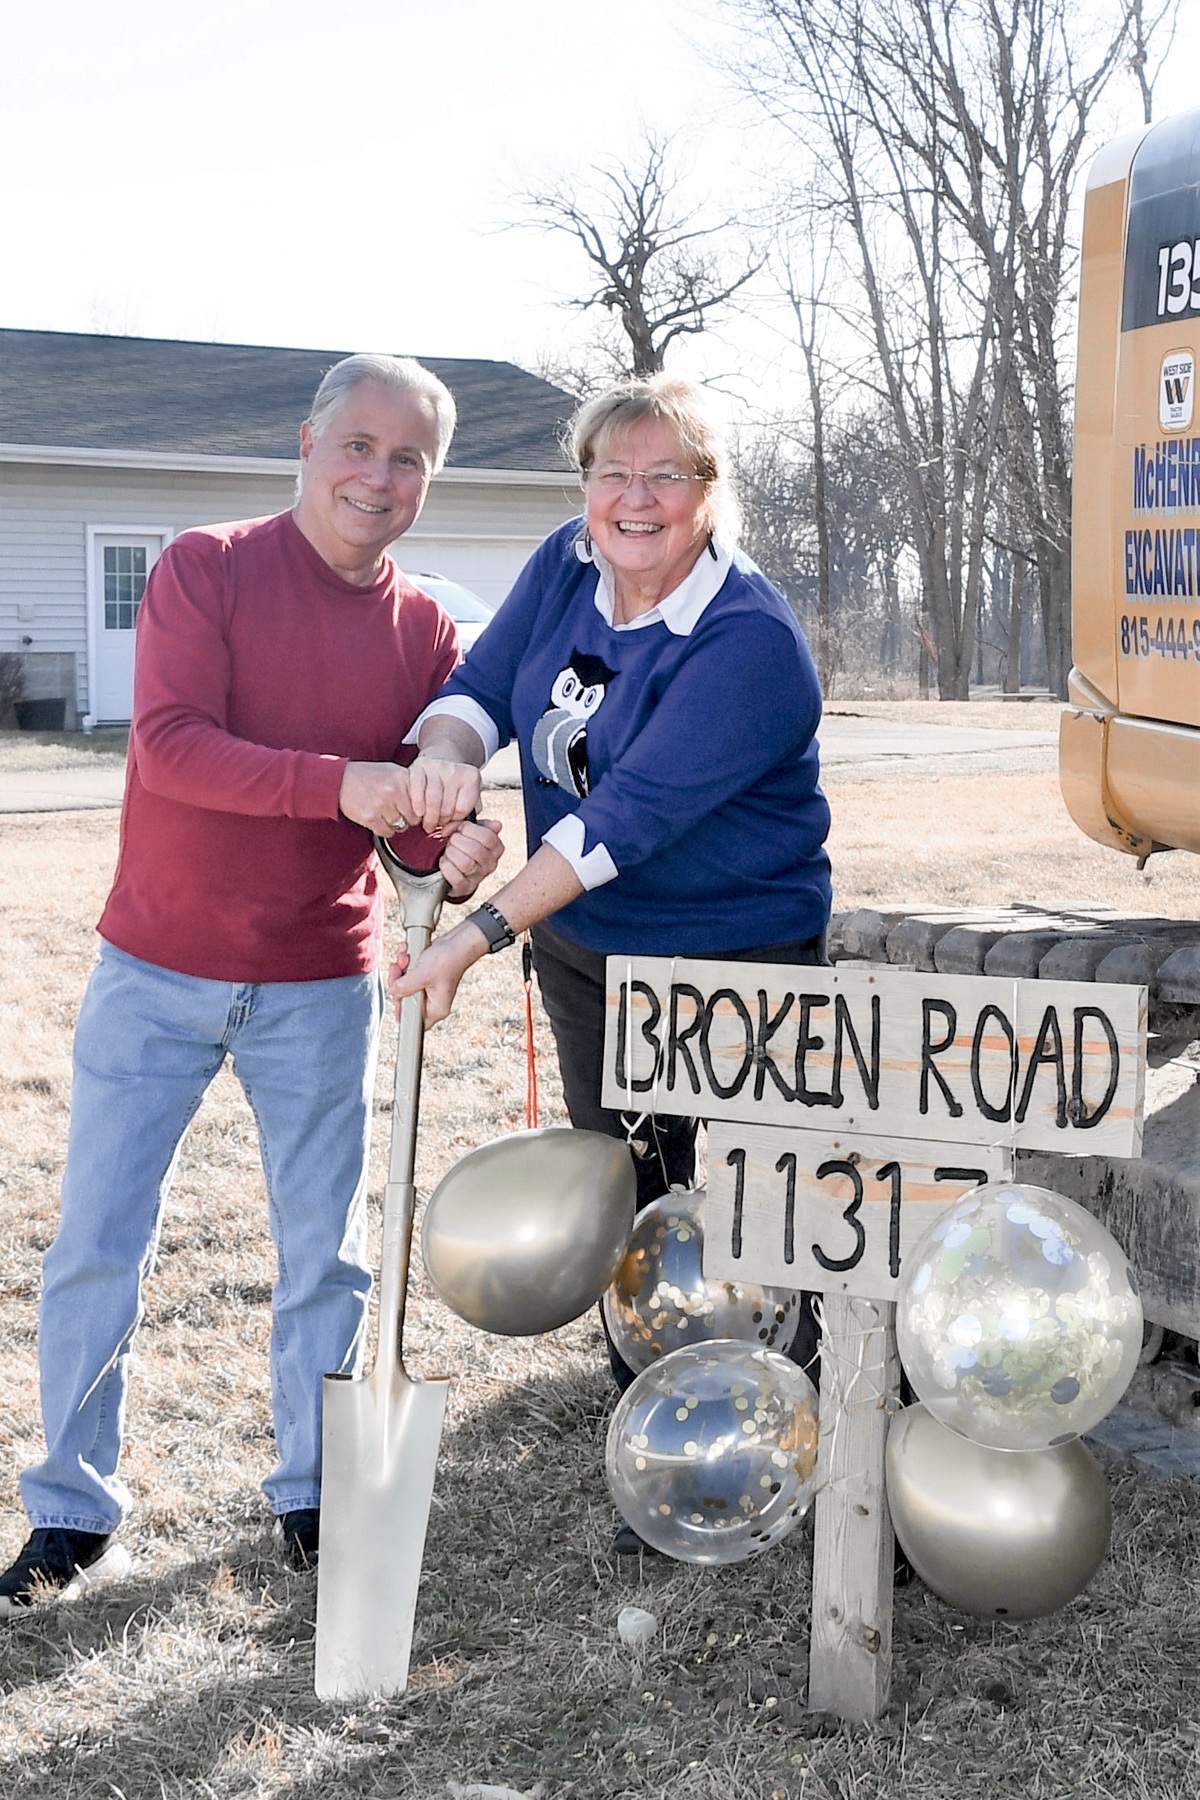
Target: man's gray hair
point(400, 372)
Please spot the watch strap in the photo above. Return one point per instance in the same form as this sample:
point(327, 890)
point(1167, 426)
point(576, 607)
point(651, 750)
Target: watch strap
point(494, 926)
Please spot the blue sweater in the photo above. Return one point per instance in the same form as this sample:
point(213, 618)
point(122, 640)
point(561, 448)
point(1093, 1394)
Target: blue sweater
point(693, 759)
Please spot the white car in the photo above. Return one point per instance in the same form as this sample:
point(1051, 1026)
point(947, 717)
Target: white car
point(465, 608)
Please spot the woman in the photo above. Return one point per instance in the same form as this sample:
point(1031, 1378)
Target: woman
point(666, 706)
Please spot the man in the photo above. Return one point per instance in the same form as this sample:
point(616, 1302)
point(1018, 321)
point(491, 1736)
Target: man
point(280, 663)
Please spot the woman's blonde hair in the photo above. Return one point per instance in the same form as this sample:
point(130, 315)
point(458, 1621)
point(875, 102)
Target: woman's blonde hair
point(677, 403)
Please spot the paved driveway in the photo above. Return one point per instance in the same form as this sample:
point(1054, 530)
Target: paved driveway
point(865, 749)
point(852, 749)
point(76, 788)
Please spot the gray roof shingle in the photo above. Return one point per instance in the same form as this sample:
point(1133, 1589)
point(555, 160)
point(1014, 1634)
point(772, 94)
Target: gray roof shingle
point(128, 393)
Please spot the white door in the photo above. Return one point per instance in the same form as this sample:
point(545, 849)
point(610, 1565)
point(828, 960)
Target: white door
point(122, 563)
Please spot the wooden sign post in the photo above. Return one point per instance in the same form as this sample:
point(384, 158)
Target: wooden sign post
point(850, 1649)
point(846, 1109)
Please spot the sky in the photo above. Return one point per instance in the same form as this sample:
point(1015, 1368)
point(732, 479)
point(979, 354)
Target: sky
point(345, 177)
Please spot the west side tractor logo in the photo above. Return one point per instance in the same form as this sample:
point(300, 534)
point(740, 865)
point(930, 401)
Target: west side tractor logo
point(1176, 390)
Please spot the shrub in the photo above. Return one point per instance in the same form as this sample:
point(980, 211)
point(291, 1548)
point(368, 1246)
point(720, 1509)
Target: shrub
point(12, 680)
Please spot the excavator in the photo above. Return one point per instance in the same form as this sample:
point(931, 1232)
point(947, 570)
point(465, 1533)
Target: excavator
point(1129, 744)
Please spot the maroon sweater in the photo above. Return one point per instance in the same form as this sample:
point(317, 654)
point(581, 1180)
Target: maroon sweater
point(259, 674)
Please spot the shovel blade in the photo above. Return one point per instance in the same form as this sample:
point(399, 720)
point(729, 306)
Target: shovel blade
point(379, 1457)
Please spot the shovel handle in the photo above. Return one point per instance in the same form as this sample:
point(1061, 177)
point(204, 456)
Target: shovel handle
point(420, 893)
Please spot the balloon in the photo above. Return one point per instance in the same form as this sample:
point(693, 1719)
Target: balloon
point(525, 1233)
point(1018, 1319)
point(712, 1451)
point(660, 1300)
point(1002, 1533)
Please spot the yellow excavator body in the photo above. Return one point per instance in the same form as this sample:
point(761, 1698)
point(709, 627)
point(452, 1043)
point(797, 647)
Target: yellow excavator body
point(1129, 740)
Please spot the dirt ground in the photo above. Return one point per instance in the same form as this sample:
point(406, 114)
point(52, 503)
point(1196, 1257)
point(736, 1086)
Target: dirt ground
point(194, 1676)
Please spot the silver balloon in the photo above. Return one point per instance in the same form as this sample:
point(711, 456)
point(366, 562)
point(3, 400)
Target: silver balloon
point(660, 1300)
point(1018, 1318)
point(1007, 1534)
point(712, 1451)
point(525, 1233)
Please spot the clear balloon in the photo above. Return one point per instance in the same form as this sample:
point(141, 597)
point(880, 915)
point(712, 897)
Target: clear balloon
point(712, 1451)
point(1018, 1319)
point(660, 1300)
point(1001, 1533)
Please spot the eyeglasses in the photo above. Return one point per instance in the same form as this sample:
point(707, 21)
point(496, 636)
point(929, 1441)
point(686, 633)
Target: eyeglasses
point(659, 481)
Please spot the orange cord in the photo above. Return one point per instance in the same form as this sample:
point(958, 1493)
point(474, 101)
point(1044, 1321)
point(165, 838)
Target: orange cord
point(531, 1093)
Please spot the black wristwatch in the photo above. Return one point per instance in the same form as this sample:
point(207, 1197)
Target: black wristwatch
point(494, 926)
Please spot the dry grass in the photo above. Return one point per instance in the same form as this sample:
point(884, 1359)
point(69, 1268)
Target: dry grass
point(193, 1678)
point(979, 715)
point(29, 752)
point(963, 841)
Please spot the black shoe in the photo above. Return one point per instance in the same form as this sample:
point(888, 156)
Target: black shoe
point(62, 1563)
point(300, 1534)
point(628, 1543)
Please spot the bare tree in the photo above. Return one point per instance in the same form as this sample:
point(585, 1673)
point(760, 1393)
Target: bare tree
point(866, 85)
point(949, 134)
point(805, 310)
point(655, 265)
point(585, 369)
point(1061, 99)
point(825, 519)
point(1153, 27)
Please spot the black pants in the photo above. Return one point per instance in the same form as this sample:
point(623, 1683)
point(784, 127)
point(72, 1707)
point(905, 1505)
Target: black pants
point(664, 1150)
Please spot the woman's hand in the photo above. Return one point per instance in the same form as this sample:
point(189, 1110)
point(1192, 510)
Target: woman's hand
point(471, 854)
point(546, 883)
point(441, 793)
point(438, 970)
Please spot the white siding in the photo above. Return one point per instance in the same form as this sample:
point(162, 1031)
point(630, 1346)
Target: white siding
point(479, 533)
point(482, 534)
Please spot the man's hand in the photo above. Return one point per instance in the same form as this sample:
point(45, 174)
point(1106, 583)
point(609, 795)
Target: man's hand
point(472, 853)
point(376, 795)
point(432, 793)
point(442, 792)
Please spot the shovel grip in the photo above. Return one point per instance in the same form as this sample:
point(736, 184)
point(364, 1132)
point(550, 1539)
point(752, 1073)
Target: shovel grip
point(419, 891)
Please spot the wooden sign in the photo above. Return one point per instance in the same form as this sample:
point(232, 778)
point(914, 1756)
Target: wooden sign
point(966, 1059)
point(828, 1212)
point(846, 1108)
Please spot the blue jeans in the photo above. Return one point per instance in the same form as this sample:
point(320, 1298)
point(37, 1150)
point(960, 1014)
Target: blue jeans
point(147, 1045)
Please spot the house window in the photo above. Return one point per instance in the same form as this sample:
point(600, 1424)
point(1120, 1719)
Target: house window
point(124, 584)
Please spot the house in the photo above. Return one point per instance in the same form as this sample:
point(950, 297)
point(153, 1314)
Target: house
point(110, 446)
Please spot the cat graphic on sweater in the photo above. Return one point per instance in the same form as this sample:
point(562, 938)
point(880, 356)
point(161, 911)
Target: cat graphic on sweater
point(560, 735)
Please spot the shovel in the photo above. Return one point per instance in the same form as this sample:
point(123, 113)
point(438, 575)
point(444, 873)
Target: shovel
point(381, 1432)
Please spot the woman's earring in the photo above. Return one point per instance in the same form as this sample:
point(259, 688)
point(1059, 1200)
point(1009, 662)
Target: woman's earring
point(587, 542)
point(712, 548)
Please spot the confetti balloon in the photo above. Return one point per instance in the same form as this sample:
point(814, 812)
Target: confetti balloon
point(1001, 1533)
point(660, 1300)
point(1018, 1318)
point(712, 1451)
